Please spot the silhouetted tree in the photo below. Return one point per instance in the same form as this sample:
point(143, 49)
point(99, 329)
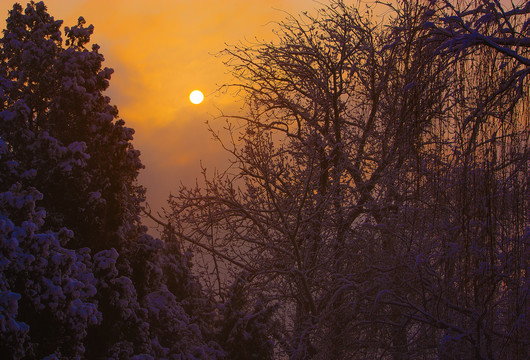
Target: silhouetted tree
point(100, 287)
point(46, 291)
point(244, 328)
point(375, 176)
point(61, 89)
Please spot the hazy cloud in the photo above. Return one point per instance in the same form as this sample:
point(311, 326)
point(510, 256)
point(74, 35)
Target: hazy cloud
point(161, 50)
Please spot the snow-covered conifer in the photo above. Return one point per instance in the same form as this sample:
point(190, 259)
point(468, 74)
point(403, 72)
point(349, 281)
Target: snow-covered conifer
point(110, 289)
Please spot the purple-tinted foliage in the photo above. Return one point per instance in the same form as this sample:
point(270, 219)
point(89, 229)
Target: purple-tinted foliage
point(80, 276)
point(47, 291)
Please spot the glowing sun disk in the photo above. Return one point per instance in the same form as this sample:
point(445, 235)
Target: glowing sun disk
point(196, 97)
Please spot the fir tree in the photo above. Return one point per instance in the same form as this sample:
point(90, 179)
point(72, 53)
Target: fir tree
point(61, 89)
point(90, 269)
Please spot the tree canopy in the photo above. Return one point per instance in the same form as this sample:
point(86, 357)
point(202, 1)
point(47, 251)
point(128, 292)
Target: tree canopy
point(378, 193)
point(80, 277)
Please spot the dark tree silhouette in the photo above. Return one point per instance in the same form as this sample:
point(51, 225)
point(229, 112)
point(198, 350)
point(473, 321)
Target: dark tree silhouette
point(79, 275)
point(61, 91)
point(376, 194)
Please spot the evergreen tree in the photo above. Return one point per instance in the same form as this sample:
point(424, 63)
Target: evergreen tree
point(60, 135)
point(244, 330)
point(62, 90)
point(46, 291)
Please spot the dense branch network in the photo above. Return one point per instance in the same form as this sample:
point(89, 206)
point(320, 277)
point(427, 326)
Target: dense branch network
point(375, 192)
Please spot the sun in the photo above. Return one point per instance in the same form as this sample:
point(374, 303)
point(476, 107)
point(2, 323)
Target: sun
point(196, 97)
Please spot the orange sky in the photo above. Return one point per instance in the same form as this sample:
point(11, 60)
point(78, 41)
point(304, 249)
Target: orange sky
point(161, 50)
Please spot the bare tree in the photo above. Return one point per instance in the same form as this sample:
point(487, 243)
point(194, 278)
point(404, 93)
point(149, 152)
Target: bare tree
point(356, 198)
point(472, 215)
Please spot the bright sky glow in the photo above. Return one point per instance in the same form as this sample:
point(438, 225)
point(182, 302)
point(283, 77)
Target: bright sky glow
point(160, 49)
